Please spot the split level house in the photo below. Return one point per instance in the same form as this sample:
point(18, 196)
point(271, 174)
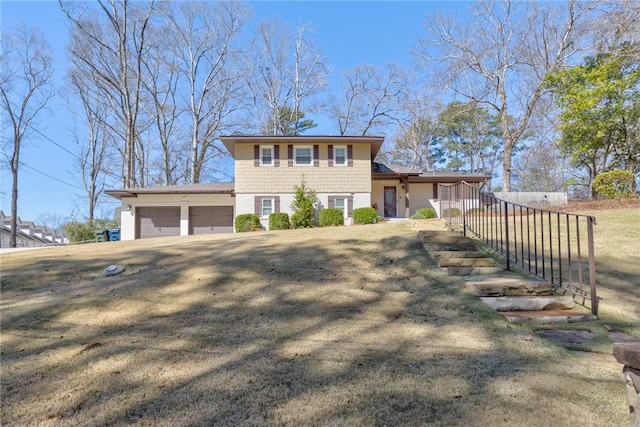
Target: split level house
point(340, 169)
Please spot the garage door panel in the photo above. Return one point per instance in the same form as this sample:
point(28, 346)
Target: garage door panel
point(210, 219)
point(158, 222)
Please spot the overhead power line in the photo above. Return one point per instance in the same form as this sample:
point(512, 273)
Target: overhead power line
point(52, 177)
point(106, 172)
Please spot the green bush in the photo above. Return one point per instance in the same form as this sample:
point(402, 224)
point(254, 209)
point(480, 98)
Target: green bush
point(303, 206)
point(365, 216)
point(279, 221)
point(247, 222)
point(379, 218)
point(417, 216)
point(613, 184)
point(331, 216)
point(426, 212)
point(446, 213)
point(475, 210)
point(77, 231)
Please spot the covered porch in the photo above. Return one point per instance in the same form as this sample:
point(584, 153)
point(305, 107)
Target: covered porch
point(397, 192)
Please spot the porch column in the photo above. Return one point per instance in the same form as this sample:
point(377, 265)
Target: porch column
point(407, 206)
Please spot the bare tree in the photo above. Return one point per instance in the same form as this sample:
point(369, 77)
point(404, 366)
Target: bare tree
point(371, 99)
point(415, 144)
point(109, 43)
point(285, 71)
point(542, 167)
point(208, 62)
point(52, 221)
point(94, 145)
point(161, 103)
point(501, 59)
point(25, 89)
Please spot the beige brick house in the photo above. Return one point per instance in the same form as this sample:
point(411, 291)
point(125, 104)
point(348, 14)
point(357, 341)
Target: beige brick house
point(340, 169)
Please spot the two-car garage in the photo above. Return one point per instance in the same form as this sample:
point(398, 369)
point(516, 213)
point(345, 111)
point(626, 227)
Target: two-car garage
point(162, 221)
point(176, 210)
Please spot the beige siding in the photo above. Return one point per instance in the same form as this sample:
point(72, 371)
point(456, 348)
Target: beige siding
point(283, 179)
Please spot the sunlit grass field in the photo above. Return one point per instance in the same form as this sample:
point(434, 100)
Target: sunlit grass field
point(333, 326)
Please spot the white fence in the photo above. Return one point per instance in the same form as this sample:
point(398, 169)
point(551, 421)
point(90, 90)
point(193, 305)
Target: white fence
point(534, 199)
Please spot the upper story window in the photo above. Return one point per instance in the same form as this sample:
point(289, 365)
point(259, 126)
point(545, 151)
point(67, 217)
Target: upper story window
point(340, 156)
point(303, 156)
point(266, 155)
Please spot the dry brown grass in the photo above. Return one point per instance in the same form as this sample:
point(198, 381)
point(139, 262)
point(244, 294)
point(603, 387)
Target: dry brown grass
point(336, 326)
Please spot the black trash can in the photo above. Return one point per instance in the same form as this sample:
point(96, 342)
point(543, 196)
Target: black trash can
point(114, 234)
point(102, 235)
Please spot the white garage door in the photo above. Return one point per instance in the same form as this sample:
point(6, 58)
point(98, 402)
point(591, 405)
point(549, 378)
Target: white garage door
point(210, 219)
point(157, 222)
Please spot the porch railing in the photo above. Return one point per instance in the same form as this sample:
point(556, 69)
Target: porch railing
point(557, 247)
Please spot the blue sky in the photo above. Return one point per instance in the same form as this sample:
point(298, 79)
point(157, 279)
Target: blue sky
point(349, 34)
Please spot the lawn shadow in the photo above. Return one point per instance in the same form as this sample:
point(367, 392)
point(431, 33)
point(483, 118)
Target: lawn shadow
point(277, 329)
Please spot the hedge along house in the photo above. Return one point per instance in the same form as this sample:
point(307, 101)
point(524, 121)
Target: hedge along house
point(340, 169)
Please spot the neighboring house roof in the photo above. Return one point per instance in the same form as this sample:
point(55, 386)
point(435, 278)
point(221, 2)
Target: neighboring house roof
point(380, 171)
point(209, 188)
point(231, 141)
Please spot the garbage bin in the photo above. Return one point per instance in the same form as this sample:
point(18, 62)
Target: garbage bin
point(114, 234)
point(102, 235)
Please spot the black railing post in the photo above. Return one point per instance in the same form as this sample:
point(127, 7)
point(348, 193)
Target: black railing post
point(506, 234)
point(464, 191)
point(592, 266)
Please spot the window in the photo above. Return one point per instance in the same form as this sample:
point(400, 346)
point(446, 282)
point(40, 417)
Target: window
point(340, 156)
point(339, 203)
point(266, 155)
point(303, 156)
point(267, 207)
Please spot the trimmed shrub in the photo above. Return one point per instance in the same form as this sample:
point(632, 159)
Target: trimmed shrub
point(331, 216)
point(446, 213)
point(379, 218)
point(475, 210)
point(303, 206)
point(279, 221)
point(426, 212)
point(613, 184)
point(417, 216)
point(365, 216)
point(247, 222)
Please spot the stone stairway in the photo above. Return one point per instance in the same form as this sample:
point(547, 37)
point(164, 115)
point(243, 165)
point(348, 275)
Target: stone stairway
point(518, 299)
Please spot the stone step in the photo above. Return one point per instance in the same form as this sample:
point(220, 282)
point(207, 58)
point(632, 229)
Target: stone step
point(529, 303)
point(457, 254)
point(455, 238)
point(498, 286)
point(453, 247)
point(471, 271)
point(431, 233)
point(546, 317)
point(466, 262)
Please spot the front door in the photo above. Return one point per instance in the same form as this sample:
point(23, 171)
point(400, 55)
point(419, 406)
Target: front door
point(390, 202)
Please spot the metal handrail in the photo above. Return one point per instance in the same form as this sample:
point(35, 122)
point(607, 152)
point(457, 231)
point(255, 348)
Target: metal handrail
point(545, 243)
